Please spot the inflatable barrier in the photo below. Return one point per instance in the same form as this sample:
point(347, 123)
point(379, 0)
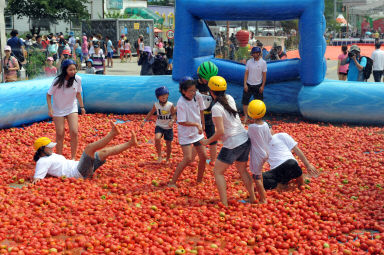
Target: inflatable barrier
point(294, 86)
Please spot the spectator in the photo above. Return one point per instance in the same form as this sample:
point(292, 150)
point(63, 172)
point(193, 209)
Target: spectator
point(98, 59)
point(78, 52)
point(44, 42)
point(84, 47)
point(52, 49)
point(110, 49)
point(72, 41)
point(169, 53)
point(17, 46)
point(66, 54)
point(146, 61)
point(378, 62)
point(342, 70)
point(141, 44)
point(127, 50)
point(62, 44)
point(120, 45)
point(356, 64)
point(102, 44)
point(38, 44)
point(9, 65)
point(50, 70)
point(255, 77)
point(89, 69)
point(252, 40)
point(160, 63)
point(28, 42)
point(232, 50)
point(263, 50)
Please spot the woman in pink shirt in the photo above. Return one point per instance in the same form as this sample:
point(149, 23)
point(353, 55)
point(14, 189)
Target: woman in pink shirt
point(50, 70)
point(342, 70)
point(9, 65)
point(84, 48)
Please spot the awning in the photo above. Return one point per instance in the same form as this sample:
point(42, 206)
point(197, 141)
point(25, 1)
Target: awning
point(156, 30)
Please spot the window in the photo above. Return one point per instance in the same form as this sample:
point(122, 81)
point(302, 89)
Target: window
point(8, 22)
point(43, 24)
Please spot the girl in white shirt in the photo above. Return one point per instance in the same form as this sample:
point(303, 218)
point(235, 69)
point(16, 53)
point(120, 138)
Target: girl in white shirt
point(236, 144)
point(66, 91)
point(190, 131)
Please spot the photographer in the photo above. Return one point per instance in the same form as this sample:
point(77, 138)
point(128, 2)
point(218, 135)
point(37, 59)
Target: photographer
point(356, 64)
point(10, 66)
point(146, 61)
point(276, 53)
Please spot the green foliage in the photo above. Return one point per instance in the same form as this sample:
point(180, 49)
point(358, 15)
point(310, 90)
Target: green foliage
point(35, 64)
point(50, 11)
point(288, 25)
point(115, 15)
point(332, 25)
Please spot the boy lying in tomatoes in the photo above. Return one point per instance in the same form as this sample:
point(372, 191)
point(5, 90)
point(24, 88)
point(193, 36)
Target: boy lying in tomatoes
point(94, 156)
point(284, 166)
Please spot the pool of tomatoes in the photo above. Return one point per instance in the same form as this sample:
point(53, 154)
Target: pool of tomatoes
point(127, 207)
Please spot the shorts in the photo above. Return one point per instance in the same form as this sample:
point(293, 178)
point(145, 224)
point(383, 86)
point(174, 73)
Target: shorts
point(196, 144)
point(88, 165)
point(127, 51)
point(99, 72)
point(110, 54)
point(210, 131)
point(167, 133)
point(341, 73)
point(170, 60)
point(240, 153)
point(252, 90)
point(284, 173)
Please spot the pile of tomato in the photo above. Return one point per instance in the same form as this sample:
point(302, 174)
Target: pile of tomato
point(127, 207)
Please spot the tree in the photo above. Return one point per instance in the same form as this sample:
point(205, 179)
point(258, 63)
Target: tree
point(51, 11)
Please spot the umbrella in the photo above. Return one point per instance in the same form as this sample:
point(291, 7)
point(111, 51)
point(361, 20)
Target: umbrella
point(368, 33)
point(156, 30)
point(341, 19)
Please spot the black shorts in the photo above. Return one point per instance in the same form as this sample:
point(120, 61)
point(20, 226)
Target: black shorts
point(99, 72)
point(252, 90)
point(209, 131)
point(167, 133)
point(284, 173)
point(240, 153)
point(343, 73)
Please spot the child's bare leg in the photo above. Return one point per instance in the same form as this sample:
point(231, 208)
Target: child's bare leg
point(300, 181)
point(169, 149)
point(91, 148)
point(260, 188)
point(117, 149)
point(213, 152)
point(247, 180)
point(158, 146)
point(202, 162)
point(194, 153)
point(187, 158)
point(218, 171)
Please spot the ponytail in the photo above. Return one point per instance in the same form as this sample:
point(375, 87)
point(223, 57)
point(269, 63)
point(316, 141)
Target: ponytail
point(222, 99)
point(37, 155)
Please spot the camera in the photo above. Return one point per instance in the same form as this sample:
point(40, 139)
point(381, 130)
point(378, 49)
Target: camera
point(66, 56)
point(351, 54)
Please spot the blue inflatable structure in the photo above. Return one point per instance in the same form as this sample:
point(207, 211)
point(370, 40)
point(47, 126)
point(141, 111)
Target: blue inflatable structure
point(294, 86)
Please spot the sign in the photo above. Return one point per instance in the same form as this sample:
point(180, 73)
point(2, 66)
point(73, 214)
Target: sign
point(136, 26)
point(170, 34)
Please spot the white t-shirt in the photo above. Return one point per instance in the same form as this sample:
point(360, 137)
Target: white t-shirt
point(64, 100)
point(164, 115)
point(378, 60)
point(260, 136)
point(256, 70)
point(234, 132)
point(206, 100)
point(56, 165)
point(188, 111)
point(280, 149)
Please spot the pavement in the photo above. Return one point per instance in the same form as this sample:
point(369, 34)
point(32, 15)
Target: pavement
point(132, 68)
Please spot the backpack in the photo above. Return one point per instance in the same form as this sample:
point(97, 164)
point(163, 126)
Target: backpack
point(136, 44)
point(159, 65)
point(368, 68)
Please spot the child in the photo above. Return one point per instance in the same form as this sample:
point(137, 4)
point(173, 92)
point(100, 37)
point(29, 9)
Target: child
point(166, 115)
point(127, 50)
point(89, 69)
point(189, 129)
point(50, 70)
point(260, 136)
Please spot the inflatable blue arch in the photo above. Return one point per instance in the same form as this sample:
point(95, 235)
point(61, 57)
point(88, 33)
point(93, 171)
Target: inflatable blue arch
point(294, 86)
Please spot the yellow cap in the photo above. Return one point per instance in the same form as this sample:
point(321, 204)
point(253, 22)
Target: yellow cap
point(217, 83)
point(256, 109)
point(43, 141)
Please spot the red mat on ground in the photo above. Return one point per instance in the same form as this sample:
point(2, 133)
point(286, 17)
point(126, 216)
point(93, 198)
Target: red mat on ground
point(333, 52)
